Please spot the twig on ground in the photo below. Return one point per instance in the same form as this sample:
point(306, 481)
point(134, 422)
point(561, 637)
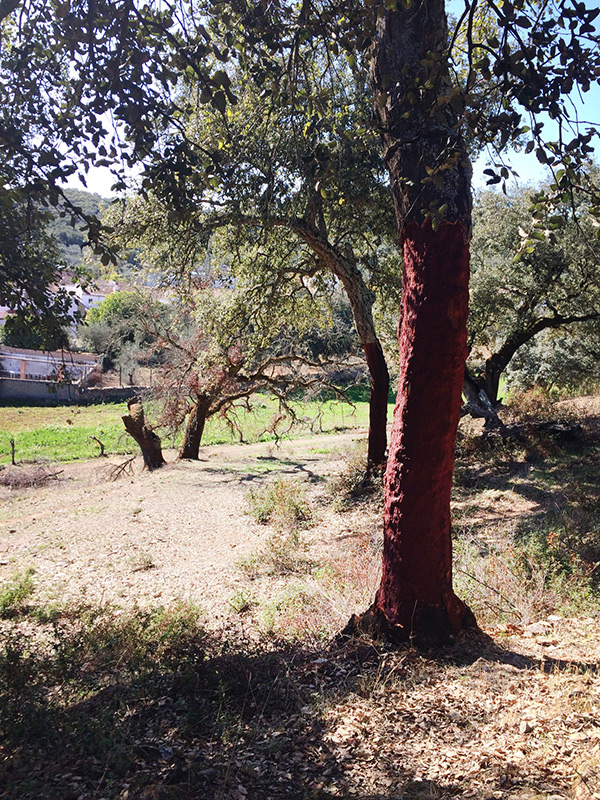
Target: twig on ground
point(113, 473)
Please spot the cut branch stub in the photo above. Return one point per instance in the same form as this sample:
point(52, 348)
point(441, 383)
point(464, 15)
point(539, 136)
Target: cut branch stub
point(148, 441)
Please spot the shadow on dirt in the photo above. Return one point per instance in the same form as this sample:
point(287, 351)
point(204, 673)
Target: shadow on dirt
point(148, 705)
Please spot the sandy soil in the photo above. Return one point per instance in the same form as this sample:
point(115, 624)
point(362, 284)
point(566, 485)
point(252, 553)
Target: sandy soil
point(158, 537)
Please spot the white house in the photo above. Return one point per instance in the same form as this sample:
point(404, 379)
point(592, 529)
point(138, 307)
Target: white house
point(89, 297)
point(39, 365)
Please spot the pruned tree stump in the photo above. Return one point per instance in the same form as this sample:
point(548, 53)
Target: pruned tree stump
point(149, 442)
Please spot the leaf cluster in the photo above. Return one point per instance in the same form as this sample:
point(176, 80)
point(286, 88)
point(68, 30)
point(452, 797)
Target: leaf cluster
point(551, 286)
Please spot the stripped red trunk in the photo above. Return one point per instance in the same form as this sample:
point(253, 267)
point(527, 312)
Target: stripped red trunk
point(430, 180)
point(416, 596)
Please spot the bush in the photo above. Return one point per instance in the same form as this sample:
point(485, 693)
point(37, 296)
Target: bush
point(532, 404)
point(353, 481)
point(282, 503)
point(14, 593)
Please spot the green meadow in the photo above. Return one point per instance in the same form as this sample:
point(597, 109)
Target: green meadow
point(64, 433)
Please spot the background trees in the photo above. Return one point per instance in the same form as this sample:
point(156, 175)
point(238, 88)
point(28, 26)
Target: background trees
point(553, 285)
point(30, 266)
point(121, 329)
point(242, 316)
point(301, 170)
point(493, 79)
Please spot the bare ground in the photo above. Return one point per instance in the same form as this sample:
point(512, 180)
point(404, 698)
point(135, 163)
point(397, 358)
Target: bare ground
point(512, 715)
point(150, 538)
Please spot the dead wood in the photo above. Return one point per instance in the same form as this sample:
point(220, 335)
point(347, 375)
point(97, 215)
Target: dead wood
point(113, 473)
point(23, 477)
point(149, 442)
point(101, 445)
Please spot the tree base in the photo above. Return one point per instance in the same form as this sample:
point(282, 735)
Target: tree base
point(149, 442)
point(430, 626)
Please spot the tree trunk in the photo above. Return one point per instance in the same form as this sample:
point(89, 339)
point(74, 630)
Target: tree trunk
point(361, 301)
point(477, 403)
point(415, 596)
point(361, 298)
point(491, 379)
point(430, 179)
point(194, 429)
point(378, 403)
point(148, 441)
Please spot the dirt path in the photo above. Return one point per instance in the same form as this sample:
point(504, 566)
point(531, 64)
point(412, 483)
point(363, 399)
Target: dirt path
point(174, 534)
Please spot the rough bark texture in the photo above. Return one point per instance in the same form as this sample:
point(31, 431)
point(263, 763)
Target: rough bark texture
point(194, 429)
point(477, 403)
point(148, 441)
point(430, 179)
point(361, 301)
point(418, 110)
point(415, 596)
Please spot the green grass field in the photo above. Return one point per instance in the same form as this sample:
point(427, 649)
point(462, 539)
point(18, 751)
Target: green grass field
point(63, 433)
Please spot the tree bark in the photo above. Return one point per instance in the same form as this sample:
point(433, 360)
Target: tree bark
point(361, 301)
point(148, 441)
point(194, 429)
point(415, 596)
point(430, 179)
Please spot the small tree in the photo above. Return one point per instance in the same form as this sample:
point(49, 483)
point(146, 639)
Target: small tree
point(518, 292)
point(120, 329)
point(224, 346)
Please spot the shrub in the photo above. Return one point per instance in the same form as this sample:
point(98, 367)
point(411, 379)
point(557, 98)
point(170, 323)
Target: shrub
point(353, 482)
point(282, 503)
point(14, 593)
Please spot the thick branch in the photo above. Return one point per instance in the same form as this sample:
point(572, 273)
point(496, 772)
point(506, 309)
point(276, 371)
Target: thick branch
point(500, 360)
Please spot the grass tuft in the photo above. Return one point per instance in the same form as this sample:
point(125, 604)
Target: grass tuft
point(282, 503)
point(14, 594)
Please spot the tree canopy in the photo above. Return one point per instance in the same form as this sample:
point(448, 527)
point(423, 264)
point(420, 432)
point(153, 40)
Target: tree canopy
point(514, 295)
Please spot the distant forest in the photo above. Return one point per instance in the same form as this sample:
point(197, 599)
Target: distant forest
point(70, 239)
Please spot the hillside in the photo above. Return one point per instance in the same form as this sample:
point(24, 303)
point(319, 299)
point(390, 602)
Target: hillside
point(70, 239)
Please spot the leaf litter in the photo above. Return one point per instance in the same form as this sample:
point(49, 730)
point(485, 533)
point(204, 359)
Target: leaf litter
point(513, 715)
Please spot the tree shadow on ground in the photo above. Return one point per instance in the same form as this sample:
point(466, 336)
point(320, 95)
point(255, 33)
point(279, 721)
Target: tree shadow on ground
point(473, 646)
point(282, 468)
point(552, 485)
point(149, 706)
